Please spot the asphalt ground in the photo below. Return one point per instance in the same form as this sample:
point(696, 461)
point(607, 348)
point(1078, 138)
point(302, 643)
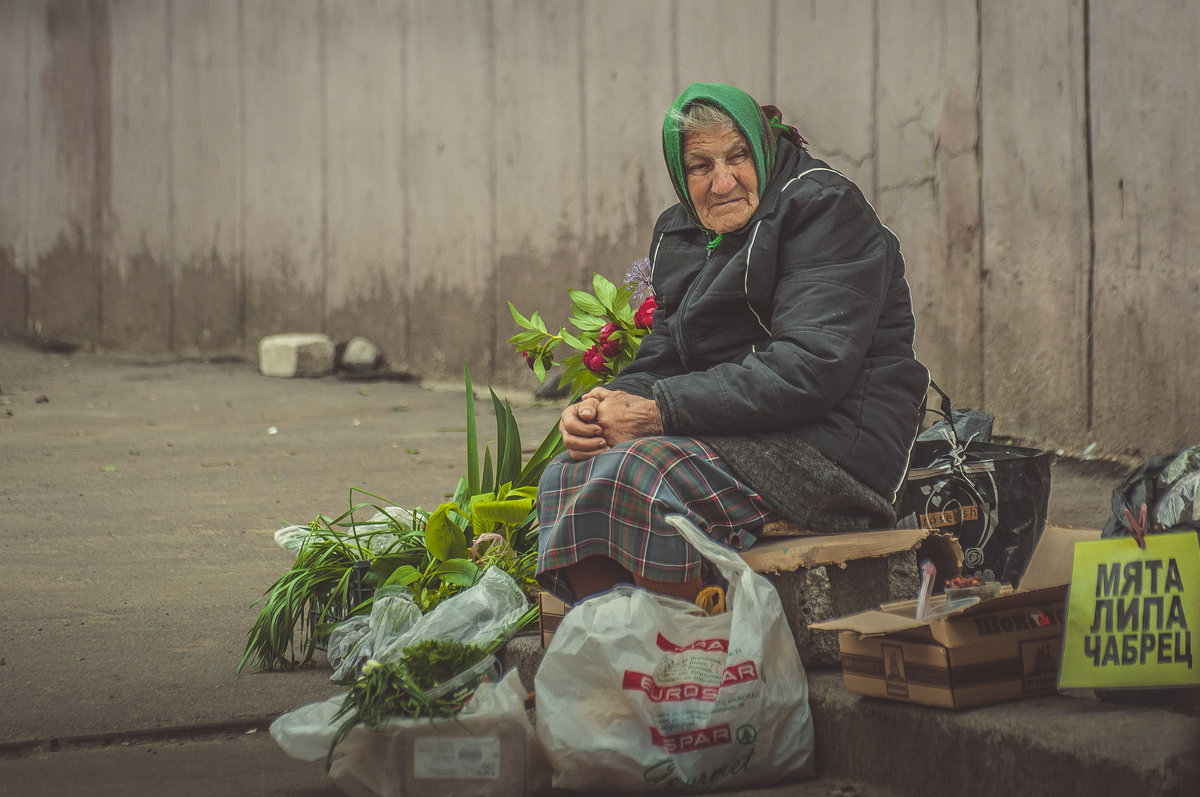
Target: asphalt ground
point(138, 499)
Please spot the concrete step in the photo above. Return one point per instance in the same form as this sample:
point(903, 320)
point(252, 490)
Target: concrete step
point(1065, 744)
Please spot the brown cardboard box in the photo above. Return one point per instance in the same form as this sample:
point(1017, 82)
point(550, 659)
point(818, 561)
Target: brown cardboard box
point(1002, 648)
point(823, 576)
point(550, 613)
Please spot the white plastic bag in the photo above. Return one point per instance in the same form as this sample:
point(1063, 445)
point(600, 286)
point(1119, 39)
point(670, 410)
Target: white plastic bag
point(489, 748)
point(641, 691)
point(291, 538)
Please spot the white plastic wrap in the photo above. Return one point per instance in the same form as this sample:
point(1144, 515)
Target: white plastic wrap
point(291, 538)
point(489, 748)
point(478, 615)
point(356, 639)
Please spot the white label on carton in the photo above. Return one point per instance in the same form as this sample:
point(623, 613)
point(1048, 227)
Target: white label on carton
point(477, 757)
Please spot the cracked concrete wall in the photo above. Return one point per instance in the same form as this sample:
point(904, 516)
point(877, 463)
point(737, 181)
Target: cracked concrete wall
point(186, 177)
point(1145, 101)
point(1035, 209)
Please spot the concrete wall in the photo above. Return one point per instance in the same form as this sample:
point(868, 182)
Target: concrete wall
point(189, 176)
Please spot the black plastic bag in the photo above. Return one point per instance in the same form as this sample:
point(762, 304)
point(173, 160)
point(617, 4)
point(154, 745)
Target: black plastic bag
point(992, 497)
point(1160, 495)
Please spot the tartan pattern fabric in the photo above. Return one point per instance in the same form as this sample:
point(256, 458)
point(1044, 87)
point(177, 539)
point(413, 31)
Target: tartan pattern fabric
point(615, 504)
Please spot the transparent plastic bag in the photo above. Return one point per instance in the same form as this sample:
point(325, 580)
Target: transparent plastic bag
point(390, 515)
point(345, 644)
point(291, 538)
point(478, 615)
point(393, 612)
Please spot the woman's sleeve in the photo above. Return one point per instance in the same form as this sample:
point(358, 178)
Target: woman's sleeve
point(831, 269)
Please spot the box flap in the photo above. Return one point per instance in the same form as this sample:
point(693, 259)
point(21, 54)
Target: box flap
point(948, 629)
point(786, 554)
point(873, 622)
point(1050, 565)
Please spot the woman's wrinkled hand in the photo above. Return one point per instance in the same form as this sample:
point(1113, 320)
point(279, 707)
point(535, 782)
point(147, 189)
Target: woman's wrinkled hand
point(623, 416)
point(581, 434)
point(602, 418)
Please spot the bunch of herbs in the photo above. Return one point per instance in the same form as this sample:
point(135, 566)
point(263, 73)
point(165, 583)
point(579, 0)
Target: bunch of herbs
point(433, 556)
point(399, 689)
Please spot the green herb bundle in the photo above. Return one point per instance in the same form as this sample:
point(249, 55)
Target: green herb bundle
point(400, 689)
point(491, 521)
point(323, 577)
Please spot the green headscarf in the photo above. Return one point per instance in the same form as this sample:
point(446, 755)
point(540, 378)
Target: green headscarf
point(747, 116)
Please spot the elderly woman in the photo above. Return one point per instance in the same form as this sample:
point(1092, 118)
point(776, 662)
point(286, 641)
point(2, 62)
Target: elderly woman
point(779, 381)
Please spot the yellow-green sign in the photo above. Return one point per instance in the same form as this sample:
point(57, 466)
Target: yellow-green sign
point(1131, 613)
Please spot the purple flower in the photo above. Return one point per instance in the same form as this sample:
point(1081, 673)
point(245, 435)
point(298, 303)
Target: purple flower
point(638, 276)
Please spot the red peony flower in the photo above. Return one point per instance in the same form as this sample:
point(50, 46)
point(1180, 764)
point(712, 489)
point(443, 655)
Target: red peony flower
point(644, 317)
point(608, 346)
point(594, 361)
point(529, 359)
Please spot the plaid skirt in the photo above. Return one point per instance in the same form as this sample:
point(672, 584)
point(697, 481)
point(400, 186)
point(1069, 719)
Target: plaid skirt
point(615, 504)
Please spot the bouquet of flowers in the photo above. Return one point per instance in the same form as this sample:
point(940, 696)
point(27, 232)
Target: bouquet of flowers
point(610, 331)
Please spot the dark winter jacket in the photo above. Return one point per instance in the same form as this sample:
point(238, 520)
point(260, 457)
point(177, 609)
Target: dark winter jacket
point(796, 329)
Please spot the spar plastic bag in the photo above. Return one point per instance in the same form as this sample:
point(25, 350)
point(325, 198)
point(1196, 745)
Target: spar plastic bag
point(489, 748)
point(641, 691)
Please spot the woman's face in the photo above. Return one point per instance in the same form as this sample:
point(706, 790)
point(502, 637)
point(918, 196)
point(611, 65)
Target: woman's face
point(721, 178)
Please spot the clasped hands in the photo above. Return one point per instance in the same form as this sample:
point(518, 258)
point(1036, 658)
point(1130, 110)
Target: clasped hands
point(603, 418)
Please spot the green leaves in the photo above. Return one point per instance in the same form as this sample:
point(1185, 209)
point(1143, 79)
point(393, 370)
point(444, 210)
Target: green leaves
point(342, 559)
point(444, 537)
point(506, 507)
point(591, 313)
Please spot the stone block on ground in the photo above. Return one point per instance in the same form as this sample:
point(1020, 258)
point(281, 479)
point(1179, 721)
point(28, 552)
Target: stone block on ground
point(300, 354)
point(360, 356)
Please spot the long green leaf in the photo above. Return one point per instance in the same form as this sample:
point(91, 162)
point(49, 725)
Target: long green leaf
point(502, 443)
point(462, 493)
point(549, 448)
point(403, 576)
point(586, 302)
point(574, 342)
point(485, 485)
point(524, 340)
point(520, 319)
point(508, 450)
point(605, 291)
point(472, 439)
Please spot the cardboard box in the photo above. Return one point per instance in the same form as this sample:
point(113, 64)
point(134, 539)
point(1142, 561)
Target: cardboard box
point(1002, 648)
point(550, 613)
point(823, 576)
